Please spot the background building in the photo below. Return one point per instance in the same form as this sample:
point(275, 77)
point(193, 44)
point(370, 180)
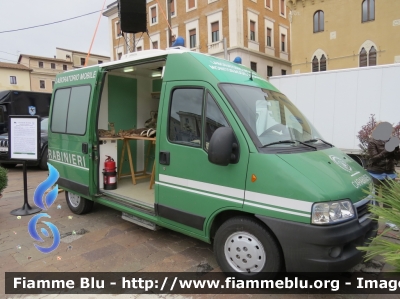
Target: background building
point(78, 59)
point(337, 34)
point(256, 30)
point(44, 70)
point(14, 76)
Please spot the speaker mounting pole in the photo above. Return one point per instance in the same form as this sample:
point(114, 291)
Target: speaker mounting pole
point(169, 22)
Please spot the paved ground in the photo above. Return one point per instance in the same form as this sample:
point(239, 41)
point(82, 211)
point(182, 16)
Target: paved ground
point(101, 242)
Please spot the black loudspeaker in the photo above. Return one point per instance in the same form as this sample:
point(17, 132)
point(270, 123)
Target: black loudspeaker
point(132, 15)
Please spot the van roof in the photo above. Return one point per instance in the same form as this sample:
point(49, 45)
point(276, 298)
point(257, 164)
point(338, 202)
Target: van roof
point(146, 54)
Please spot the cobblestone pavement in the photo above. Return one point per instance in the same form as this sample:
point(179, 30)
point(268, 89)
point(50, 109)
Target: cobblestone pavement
point(101, 242)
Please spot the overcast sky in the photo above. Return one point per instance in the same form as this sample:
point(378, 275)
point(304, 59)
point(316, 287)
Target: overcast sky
point(75, 34)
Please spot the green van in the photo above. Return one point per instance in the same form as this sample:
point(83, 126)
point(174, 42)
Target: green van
point(234, 162)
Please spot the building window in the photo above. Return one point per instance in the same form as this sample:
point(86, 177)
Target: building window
point(253, 66)
point(155, 44)
point(372, 56)
point(215, 32)
point(252, 30)
point(172, 7)
point(42, 84)
point(363, 58)
point(368, 58)
point(191, 4)
point(13, 80)
point(322, 63)
point(319, 65)
point(283, 72)
point(65, 67)
point(118, 26)
point(283, 42)
point(153, 15)
point(269, 37)
point(119, 56)
point(53, 66)
point(138, 49)
point(268, 3)
point(368, 10)
point(41, 64)
point(82, 61)
point(315, 64)
point(319, 21)
point(282, 2)
point(269, 71)
point(192, 37)
point(99, 61)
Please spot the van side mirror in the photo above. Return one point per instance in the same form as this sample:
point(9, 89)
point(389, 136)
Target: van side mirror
point(223, 148)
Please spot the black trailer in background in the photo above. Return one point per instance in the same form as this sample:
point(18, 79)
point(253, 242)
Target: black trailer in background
point(16, 102)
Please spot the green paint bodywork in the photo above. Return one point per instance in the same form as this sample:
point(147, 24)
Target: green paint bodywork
point(311, 176)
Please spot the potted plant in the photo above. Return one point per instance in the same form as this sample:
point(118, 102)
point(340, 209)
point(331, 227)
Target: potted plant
point(3, 180)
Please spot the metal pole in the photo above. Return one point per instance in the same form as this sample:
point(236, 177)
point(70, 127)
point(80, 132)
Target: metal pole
point(169, 22)
point(225, 50)
point(26, 208)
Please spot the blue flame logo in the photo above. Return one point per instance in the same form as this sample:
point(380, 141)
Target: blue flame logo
point(44, 204)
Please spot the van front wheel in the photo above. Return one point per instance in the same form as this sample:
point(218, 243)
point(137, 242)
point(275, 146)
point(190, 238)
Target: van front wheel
point(245, 249)
point(77, 204)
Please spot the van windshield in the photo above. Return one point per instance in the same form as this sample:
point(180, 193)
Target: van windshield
point(270, 117)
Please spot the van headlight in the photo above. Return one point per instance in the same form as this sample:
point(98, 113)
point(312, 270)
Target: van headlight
point(332, 212)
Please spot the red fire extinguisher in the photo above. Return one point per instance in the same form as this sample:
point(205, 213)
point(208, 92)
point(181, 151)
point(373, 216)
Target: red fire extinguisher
point(110, 174)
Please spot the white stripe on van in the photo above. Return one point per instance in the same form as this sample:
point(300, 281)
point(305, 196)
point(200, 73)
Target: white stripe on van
point(233, 200)
point(260, 198)
point(282, 202)
point(275, 209)
point(227, 191)
point(199, 192)
point(69, 164)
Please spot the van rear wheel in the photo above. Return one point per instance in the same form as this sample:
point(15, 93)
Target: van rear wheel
point(77, 204)
point(246, 250)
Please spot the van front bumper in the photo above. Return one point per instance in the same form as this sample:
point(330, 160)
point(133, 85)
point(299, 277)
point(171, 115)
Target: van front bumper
point(312, 248)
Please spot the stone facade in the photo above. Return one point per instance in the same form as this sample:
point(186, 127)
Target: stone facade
point(341, 33)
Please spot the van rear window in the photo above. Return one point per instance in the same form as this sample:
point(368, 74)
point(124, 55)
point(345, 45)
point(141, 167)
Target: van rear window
point(70, 109)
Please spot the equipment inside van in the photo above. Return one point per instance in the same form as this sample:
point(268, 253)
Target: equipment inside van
point(228, 160)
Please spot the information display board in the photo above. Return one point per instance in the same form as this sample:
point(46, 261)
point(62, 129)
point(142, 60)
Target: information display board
point(24, 137)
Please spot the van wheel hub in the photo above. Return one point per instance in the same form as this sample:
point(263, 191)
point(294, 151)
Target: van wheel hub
point(244, 252)
point(74, 200)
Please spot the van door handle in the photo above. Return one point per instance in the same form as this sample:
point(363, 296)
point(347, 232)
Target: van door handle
point(85, 148)
point(164, 158)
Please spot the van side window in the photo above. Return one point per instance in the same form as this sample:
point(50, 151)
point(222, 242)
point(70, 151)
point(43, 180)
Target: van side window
point(70, 110)
point(185, 116)
point(214, 119)
point(60, 109)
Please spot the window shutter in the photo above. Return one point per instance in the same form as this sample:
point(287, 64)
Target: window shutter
point(322, 63)
point(118, 28)
point(268, 3)
point(191, 3)
point(363, 57)
point(252, 26)
point(172, 7)
point(372, 56)
point(192, 32)
point(315, 64)
point(153, 12)
point(215, 26)
point(282, 7)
